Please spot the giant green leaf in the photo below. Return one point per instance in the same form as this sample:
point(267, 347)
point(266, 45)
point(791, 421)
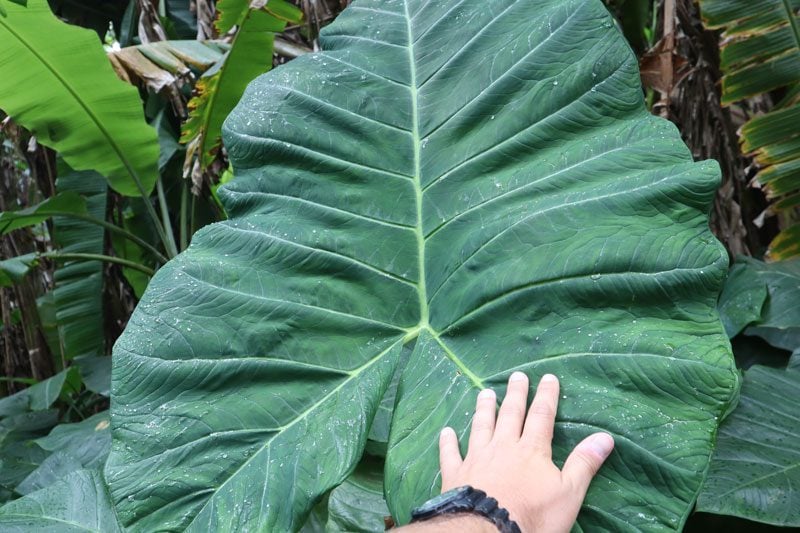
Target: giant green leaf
point(58, 83)
point(477, 181)
point(755, 470)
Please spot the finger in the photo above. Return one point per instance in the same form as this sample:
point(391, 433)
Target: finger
point(538, 430)
point(449, 455)
point(585, 460)
point(483, 421)
point(512, 412)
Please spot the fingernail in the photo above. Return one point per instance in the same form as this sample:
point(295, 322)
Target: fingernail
point(486, 393)
point(602, 444)
point(446, 432)
point(518, 376)
point(549, 378)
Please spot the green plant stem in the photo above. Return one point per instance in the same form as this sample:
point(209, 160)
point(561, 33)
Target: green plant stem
point(59, 256)
point(192, 227)
point(73, 406)
point(110, 227)
point(172, 249)
point(156, 222)
point(184, 201)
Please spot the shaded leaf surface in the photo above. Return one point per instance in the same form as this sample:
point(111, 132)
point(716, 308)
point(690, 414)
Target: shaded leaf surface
point(15, 269)
point(358, 504)
point(87, 441)
point(183, 16)
point(73, 447)
point(479, 182)
point(35, 398)
point(95, 373)
point(24, 417)
point(78, 503)
point(778, 319)
point(742, 299)
point(755, 470)
point(52, 469)
point(19, 455)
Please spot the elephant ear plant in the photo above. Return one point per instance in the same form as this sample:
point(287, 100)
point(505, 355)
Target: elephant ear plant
point(449, 192)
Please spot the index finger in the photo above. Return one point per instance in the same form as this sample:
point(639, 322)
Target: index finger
point(541, 417)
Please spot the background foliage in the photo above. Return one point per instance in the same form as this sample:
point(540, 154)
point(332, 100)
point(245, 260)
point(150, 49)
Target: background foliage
point(106, 173)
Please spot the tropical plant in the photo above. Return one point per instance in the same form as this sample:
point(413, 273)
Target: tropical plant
point(76, 253)
point(412, 219)
point(98, 124)
point(759, 52)
point(756, 463)
point(36, 449)
point(408, 205)
point(222, 86)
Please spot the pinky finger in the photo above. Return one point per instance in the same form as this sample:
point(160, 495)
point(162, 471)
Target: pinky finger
point(449, 456)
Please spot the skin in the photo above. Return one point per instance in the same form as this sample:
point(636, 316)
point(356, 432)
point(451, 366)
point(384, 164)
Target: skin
point(509, 457)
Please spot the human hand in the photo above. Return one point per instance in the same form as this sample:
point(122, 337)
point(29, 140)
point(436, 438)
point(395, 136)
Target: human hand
point(511, 460)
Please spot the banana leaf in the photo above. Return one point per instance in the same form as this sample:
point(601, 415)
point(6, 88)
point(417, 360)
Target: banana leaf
point(222, 86)
point(58, 83)
point(760, 51)
point(78, 291)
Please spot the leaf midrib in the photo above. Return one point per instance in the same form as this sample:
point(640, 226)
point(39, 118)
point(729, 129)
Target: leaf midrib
point(416, 142)
point(424, 311)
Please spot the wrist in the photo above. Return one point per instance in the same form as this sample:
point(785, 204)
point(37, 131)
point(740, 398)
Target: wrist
point(461, 522)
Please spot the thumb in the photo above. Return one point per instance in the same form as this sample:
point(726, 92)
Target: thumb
point(586, 459)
